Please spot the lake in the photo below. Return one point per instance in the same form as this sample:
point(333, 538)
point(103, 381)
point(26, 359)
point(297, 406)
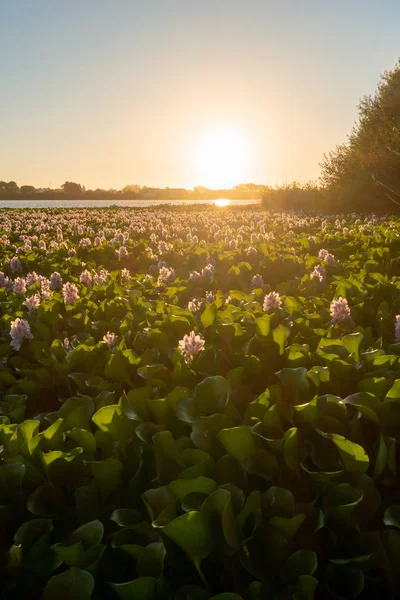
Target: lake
point(115, 202)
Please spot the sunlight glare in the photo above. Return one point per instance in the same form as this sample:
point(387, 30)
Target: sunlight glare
point(222, 202)
point(221, 158)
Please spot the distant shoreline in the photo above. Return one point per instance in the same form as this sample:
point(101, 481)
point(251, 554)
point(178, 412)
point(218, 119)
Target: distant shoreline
point(85, 198)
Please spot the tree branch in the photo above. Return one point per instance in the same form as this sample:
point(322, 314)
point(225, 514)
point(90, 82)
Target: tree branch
point(388, 190)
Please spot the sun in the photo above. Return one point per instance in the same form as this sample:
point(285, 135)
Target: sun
point(221, 158)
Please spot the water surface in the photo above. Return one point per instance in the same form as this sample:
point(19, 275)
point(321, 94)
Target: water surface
point(118, 202)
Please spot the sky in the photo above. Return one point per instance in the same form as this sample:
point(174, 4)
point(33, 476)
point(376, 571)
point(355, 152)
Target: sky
point(180, 93)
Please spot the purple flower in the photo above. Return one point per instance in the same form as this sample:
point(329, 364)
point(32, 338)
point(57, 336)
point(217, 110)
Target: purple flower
point(194, 305)
point(110, 339)
point(32, 302)
point(257, 281)
point(272, 300)
point(190, 346)
point(318, 273)
point(15, 265)
point(210, 297)
point(166, 275)
point(19, 285)
point(19, 332)
point(86, 278)
point(101, 277)
point(70, 293)
point(55, 281)
point(339, 310)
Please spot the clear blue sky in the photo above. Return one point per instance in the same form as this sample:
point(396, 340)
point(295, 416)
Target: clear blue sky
point(114, 92)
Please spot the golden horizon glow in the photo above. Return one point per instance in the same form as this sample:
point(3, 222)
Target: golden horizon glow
point(221, 158)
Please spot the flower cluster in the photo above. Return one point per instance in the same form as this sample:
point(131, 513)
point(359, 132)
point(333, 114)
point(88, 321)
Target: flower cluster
point(70, 293)
point(272, 300)
point(190, 346)
point(339, 310)
point(19, 332)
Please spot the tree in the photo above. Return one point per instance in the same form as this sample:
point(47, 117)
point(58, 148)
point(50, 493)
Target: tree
point(72, 189)
point(355, 171)
point(11, 186)
point(131, 189)
point(27, 189)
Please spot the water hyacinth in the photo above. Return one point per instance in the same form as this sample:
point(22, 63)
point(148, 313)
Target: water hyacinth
point(166, 275)
point(19, 285)
point(318, 273)
point(194, 276)
point(190, 346)
point(397, 328)
point(235, 366)
point(272, 300)
point(110, 339)
point(19, 332)
point(32, 302)
point(257, 281)
point(210, 297)
point(339, 310)
point(67, 345)
point(15, 265)
point(101, 277)
point(208, 271)
point(86, 278)
point(55, 281)
point(330, 260)
point(31, 278)
point(194, 305)
point(70, 293)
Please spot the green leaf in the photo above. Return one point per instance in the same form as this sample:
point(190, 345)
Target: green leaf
point(263, 325)
point(392, 516)
point(302, 562)
point(71, 555)
point(239, 442)
point(84, 439)
point(250, 516)
point(111, 419)
point(352, 343)
point(150, 562)
point(280, 335)
point(291, 444)
point(47, 500)
point(118, 368)
point(353, 456)
point(287, 526)
point(126, 517)
point(305, 588)
point(192, 533)
point(11, 477)
point(88, 534)
point(142, 588)
point(211, 394)
point(182, 487)
point(107, 473)
point(346, 582)
point(295, 384)
point(73, 583)
point(208, 316)
point(54, 436)
point(218, 506)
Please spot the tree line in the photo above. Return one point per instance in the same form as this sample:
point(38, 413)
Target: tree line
point(72, 190)
point(363, 173)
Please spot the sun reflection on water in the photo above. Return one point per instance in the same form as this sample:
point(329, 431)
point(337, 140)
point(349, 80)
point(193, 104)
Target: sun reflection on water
point(222, 202)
